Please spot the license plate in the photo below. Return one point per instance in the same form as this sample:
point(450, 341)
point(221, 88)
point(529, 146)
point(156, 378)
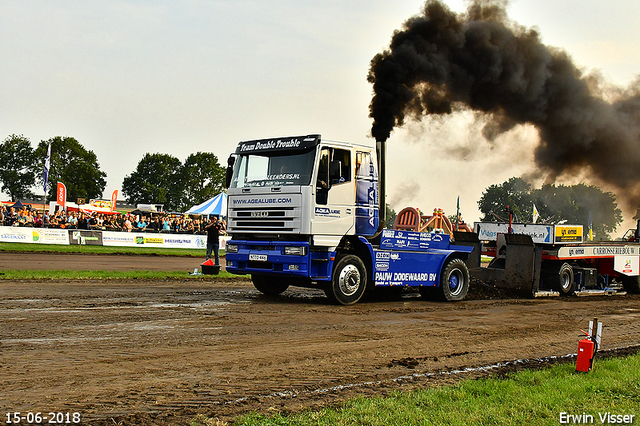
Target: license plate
point(258, 257)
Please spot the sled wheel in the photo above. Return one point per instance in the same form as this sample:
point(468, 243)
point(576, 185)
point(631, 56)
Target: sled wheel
point(348, 281)
point(563, 280)
point(454, 281)
point(269, 285)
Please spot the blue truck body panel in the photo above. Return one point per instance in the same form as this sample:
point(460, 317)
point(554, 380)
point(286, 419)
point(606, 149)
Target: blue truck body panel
point(408, 258)
point(268, 258)
point(403, 259)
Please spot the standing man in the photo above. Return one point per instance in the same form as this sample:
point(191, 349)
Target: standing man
point(213, 229)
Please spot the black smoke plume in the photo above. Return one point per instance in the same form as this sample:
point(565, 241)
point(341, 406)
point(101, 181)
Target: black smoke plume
point(440, 61)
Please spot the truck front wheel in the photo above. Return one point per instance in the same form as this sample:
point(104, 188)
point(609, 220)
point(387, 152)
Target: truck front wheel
point(348, 281)
point(269, 285)
point(454, 281)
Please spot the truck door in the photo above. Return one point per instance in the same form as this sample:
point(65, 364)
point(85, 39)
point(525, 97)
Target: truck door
point(334, 193)
point(367, 201)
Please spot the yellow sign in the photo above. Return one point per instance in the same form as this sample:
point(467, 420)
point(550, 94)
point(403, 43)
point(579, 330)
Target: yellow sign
point(153, 240)
point(568, 234)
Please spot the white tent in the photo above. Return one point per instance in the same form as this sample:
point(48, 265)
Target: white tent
point(217, 206)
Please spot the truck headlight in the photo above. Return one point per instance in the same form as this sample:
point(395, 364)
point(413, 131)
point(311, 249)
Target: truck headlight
point(231, 248)
point(298, 251)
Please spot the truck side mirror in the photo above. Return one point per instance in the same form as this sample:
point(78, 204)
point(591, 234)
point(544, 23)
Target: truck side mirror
point(230, 162)
point(335, 171)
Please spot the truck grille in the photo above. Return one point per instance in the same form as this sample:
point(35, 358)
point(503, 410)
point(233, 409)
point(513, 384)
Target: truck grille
point(264, 220)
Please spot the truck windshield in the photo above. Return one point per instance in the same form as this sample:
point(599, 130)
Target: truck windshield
point(273, 170)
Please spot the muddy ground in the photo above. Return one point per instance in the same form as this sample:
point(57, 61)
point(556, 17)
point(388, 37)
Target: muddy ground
point(160, 352)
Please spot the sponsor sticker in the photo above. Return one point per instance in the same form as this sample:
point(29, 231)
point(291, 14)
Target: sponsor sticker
point(327, 212)
point(568, 233)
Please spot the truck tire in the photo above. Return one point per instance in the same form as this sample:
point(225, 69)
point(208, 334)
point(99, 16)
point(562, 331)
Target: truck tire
point(269, 285)
point(562, 280)
point(348, 281)
point(631, 284)
point(454, 281)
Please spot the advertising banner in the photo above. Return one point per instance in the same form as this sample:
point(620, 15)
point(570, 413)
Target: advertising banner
point(278, 144)
point(10, 234)
point(138, 239)
point(61, 195)
point(568, 234)
point(400, 268)
point(49, 236)
point(540, 234)
point(84, 237)
point(592, 251)
point(628, 265)
point(97, 205)
point(13, 234)
point(114, 199)
point(411, 240)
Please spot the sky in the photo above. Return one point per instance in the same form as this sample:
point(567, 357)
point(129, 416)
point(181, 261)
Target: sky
point(126, 78)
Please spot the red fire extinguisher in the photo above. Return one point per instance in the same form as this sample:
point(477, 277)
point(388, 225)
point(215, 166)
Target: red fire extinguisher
point(588, 347)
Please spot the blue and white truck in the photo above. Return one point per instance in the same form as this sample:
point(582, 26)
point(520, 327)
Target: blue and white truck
point(309, 212)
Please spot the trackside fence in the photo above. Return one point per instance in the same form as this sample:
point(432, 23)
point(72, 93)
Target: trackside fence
point(13, 234)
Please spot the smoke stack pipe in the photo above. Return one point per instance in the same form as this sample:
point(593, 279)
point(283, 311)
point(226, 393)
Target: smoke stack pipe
point(381, 148)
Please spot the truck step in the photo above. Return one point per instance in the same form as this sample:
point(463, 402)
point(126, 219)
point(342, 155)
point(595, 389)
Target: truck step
point(600, 292)
point(546, 293)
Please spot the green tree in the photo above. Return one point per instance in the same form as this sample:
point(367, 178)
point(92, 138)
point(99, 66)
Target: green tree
point(515, 193)
point(201, 177)
point(390, 217)
point(17, 167)
point(73, 165)
point(156, 180)
point(576, 204)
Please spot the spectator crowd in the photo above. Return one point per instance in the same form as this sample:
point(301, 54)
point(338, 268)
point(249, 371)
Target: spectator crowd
point(157, 222)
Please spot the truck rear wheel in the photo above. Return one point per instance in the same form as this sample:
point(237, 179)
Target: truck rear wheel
point(631, 284)
point(269, 285)
point(348, 281)
point(454, 281)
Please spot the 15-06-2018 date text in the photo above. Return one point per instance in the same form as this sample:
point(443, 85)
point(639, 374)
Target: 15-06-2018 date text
point(57, 418)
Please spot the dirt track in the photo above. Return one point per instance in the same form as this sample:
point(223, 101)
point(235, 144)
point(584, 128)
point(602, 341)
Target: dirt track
point(159, 352)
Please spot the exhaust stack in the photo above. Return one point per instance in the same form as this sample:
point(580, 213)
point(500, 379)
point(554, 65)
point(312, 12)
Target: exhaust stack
point(381, 148)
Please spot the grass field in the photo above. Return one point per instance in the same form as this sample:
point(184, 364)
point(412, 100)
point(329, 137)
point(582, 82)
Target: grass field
point(56, 248)
point(553, 396)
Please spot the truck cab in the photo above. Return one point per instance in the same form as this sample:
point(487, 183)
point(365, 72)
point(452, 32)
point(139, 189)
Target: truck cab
point(303, 187)
point(305, 211)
